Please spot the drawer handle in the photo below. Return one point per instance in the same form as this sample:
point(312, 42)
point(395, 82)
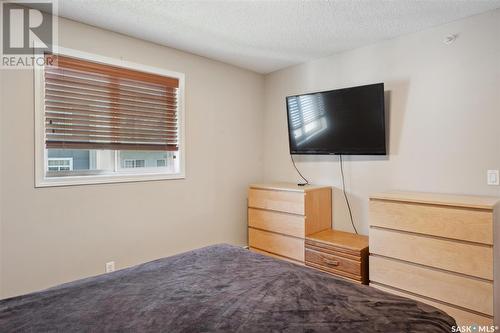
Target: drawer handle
point(331, 262)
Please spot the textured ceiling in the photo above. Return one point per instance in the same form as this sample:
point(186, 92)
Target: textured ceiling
point(265, 36)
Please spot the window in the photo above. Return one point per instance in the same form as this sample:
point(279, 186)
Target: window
point(104, 120)
point(134, 163)
point(60, 164)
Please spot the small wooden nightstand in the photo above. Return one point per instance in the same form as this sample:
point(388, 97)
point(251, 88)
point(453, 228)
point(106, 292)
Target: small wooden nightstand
point(340, 253)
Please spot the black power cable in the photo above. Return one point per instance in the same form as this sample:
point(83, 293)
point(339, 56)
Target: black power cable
point(304, 178)
point(345, 194)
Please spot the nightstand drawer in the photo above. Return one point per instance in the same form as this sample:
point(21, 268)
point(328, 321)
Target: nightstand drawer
point(282, 201)
point(335, 262)
point(334, 249)
point(340, 253)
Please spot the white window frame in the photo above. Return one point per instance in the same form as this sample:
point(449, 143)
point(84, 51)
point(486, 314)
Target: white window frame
point(148, 174)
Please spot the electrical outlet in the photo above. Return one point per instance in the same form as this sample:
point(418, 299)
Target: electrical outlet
point(110, 267)
point(493, 177)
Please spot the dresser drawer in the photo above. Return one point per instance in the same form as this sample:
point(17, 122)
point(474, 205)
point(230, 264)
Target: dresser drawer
point(472, 225)
point(334, 262)
point(284, 223)
point(470, 259)
point(269, 254)
point(285, 246)
point(462, 317)
point(283, 201)
point(459, 290)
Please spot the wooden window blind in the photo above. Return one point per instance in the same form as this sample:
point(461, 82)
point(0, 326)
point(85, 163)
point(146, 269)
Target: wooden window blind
point(94, 106)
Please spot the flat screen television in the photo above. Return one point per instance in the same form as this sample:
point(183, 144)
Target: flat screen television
point(346, 121)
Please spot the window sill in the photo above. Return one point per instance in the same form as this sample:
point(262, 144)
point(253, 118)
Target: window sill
point(104, 179)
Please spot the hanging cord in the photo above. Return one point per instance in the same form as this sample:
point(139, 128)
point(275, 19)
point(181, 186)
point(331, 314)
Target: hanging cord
point(345, 194)
point(306, 181)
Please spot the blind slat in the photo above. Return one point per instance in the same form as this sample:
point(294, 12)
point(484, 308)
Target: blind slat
point(112, 132)
point(82, 135)
point(100, 115)
point(113, 71)
point(108, 112)
point(82, 88)
point(110, 126)
point(103, 78)
point(111, 103)
point(117, 146)
point(95, 106)
point(62, 80)
point(76, 120)
point(75, 93)
point(110, 85)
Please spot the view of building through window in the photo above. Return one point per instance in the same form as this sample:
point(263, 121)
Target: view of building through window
point(133, 163)
point(61, 162)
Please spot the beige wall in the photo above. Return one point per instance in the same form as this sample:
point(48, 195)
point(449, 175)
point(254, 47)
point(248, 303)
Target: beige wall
point(54, 235)
point(444, 113)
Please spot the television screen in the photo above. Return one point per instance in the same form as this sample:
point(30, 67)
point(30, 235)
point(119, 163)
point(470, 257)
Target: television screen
point(344, 121)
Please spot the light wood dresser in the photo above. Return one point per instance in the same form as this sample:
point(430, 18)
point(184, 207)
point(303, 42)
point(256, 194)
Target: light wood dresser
point(339, 253)
point(438, 249)
point(280, 215)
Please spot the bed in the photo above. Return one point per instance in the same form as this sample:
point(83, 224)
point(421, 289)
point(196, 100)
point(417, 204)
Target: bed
point(220, 288)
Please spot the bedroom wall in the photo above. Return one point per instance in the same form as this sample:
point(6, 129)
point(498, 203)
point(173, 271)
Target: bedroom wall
point(54, 235)
point(443, 109)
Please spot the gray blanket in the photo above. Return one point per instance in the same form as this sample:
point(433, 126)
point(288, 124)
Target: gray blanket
point(219, 288)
